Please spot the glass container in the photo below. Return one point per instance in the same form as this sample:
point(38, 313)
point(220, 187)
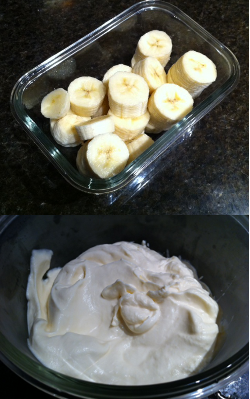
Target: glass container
point(93, 55)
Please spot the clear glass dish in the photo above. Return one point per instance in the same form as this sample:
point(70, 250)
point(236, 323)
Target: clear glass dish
point(93, 55)
point(217, 246)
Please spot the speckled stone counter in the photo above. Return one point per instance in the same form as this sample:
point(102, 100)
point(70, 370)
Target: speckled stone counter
point(207, 173)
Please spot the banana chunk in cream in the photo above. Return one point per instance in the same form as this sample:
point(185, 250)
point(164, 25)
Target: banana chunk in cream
point(120, 314)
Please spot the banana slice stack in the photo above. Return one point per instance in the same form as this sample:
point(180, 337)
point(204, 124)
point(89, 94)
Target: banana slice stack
point(152, 71)
point(129, 128)
point(64, 130)
point(86, 95)
point(138, 145)
point(94, 127)
point(155, 44)
point(193, 71)
point(109, 118)
point(113, 70)
point(167, 105)
point(128, 95)
point(107, 155)
point(108, 152)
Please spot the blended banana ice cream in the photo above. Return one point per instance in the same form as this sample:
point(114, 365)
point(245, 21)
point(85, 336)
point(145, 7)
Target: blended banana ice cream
point(120, 314)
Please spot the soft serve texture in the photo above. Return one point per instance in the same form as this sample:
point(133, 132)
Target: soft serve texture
point(120, 314)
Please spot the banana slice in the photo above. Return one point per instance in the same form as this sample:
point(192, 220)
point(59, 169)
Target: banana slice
point(107, 155)
point(152, 71)
point(167, 105)
point(52, 123)
point(56, 104)
point(128, 95)
point(64, 129)
point(104, 107)
point(86, 95)
point(128, 128)
point(94, 127)
point(193, 71)
point(155, 44)
point(113, 70)
point(82, 162)
point(138, 145)
point(154, 128)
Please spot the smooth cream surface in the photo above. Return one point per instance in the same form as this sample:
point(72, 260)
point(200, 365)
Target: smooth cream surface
point(120, 314)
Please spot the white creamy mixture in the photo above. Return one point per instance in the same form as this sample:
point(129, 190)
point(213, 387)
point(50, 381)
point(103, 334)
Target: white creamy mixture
point(120, 314)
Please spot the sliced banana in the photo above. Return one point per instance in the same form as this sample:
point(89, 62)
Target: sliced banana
point(121, 108)
point(154, 127)
point(86, 95)
point(193, 71)
point(113, 70)
point(82, 162)
point(152, 71)
point(128, 128)
point(167, 105)
point(155, 44)
point(56, 104)
point(138, 145)
point(128, 95)
point(104, 107)
point(94, 127)
point(107, 155)
point(52, 123)
point(64, 129)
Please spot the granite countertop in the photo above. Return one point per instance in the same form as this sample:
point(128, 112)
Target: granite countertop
point(208, 174)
